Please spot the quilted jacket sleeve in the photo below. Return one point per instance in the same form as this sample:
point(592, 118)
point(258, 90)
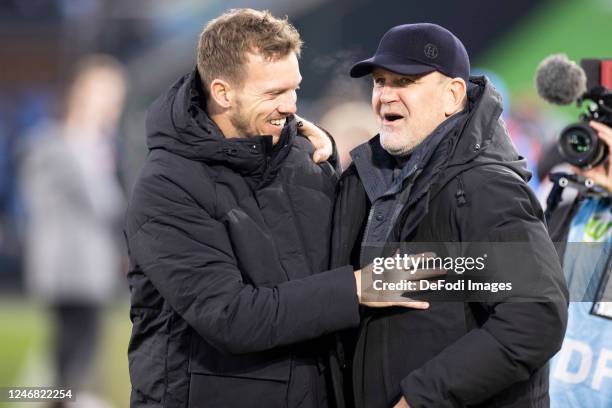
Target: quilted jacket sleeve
point(188, 257)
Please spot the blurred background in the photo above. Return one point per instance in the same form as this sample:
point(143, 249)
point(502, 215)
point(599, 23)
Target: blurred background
point(76, 78)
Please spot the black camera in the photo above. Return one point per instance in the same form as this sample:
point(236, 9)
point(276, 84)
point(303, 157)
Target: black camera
point(578, 143)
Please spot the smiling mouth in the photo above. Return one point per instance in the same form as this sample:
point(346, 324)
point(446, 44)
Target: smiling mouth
point(278, 122)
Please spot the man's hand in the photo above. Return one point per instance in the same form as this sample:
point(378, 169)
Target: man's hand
point(602, 175)
point(402, 404)
point(319, 139)
point(393, 299)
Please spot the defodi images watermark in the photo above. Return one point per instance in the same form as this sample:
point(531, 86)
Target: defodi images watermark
point(462, 271)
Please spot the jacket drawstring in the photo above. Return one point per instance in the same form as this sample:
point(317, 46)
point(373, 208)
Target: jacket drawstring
point(460, 194)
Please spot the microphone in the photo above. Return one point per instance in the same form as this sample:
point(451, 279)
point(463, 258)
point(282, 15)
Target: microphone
point(560, 80)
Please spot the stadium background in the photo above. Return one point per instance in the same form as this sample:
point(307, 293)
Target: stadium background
point(156, 40)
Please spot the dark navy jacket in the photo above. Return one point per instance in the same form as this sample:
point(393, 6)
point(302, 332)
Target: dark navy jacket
point(227, 240)
point(472, 188)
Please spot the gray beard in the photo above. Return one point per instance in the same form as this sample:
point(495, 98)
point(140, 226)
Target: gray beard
point(399, 150)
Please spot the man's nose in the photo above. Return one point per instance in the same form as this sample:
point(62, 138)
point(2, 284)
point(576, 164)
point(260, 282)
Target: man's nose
point(289, 103)
point(388, 94)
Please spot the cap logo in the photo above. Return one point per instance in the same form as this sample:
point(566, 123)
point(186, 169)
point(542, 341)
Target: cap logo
point(431, 51)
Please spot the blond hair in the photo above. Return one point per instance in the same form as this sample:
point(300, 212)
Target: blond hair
point(226, 40)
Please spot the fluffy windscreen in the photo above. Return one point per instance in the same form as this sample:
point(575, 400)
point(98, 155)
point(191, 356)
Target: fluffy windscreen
point(560, 80)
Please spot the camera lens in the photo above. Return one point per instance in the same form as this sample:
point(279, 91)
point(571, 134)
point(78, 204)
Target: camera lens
point(578, 142)
point(579, 145)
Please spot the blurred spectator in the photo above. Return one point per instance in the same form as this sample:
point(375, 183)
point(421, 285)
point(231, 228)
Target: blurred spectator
point(5, 190)
point(350, 124)
point(347, 114)
point(533, 128)
point(75, 207)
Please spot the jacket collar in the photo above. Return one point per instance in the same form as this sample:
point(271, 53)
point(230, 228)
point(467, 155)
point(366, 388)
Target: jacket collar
point(479, 138)
point(375, 166)
point(452, 156)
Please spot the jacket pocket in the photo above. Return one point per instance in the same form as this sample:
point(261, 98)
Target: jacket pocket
point(219, 379)
point(410, 339)
point(216, 391)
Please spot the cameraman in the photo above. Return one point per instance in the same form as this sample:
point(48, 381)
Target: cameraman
point(581, 373)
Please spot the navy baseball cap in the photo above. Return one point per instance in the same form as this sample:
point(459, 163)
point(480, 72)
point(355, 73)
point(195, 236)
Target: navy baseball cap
point(415, 49)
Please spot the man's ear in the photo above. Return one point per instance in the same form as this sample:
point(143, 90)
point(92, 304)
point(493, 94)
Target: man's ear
point(455, 95)
point(221, 93)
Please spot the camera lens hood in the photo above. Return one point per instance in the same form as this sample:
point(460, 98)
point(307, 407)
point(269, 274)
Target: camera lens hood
point(580, 146)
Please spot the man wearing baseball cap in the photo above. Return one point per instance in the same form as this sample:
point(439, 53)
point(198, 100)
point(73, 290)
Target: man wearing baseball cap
point(443, 169)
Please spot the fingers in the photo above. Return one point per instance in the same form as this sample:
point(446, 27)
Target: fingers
point(402, 403)
point(413, 304)
point(394, 299)
point(407, 303)
point(401, 274)
point(320, 155)
point(420, 274)
point(600, 127)
point(594, 172)
point(324, 154)
point(599, 178)
point(599, 174)
point(319, 139)
point(604, 132)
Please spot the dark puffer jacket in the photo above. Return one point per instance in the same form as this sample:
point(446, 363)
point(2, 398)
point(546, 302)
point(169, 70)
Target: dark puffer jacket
point(472, 188)
point(226, 240)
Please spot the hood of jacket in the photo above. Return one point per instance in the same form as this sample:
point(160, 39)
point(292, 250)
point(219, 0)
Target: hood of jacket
point(484, 138)
point(177, 122)
point(475, 137)
point(481, 138)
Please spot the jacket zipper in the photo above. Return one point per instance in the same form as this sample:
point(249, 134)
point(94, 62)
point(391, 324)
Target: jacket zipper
point(365, 233)
point(395, 219)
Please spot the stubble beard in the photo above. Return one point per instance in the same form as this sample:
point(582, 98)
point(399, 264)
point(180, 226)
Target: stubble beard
point(396, 147)
point(240, 122)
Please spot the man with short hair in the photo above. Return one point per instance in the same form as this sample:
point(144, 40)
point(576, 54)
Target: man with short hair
point(228, 231)
point(443, 170)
